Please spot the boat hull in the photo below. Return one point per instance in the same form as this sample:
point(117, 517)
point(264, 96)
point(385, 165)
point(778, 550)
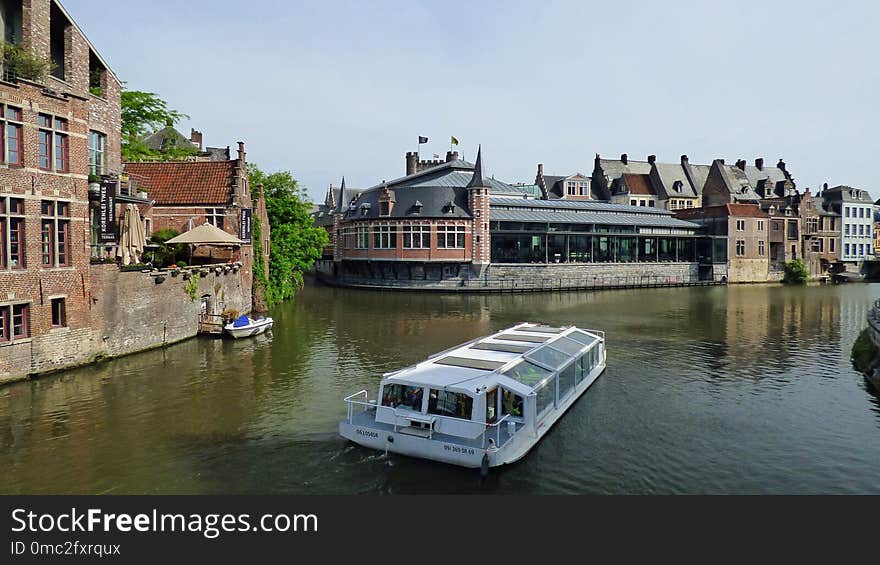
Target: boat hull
point(385, 438)
point(256, 328)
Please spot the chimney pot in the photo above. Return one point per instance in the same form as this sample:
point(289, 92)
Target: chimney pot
point(741, 164)
point(241, 153)
point(623, 158)
point(759, 164)
point(651, 159)
point(540, 169)
point(684, 159)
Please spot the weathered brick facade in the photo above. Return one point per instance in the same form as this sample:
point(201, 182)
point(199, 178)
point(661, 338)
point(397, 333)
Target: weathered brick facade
point(59, 267)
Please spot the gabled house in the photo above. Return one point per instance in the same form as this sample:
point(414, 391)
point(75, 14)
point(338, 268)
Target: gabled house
point(670, 186)
point(728, 184)
point(571, 187)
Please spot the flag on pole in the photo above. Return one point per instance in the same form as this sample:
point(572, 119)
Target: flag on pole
point(452, 140)
point(422, 140)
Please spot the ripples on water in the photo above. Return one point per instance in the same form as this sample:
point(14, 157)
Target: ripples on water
point(708, 390)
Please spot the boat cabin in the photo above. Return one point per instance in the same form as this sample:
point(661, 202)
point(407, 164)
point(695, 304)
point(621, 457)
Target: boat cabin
point(515, 377)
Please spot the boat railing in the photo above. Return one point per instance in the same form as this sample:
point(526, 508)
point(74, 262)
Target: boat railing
point(353, 400)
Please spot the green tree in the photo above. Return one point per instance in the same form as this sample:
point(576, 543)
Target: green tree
point(296, 243)
point(796, 272)
point(144, 113)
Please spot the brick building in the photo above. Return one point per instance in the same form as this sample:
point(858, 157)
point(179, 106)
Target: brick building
point(56, 130)
point(193, 192)
point(745, 228)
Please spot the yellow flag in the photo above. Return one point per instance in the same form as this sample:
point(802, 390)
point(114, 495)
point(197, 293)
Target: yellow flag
point(452, 140)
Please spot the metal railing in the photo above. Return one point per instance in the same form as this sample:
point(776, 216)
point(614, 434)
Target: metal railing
point(368, 405)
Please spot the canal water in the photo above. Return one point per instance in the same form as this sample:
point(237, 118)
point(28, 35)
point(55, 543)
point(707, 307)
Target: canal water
point(741, 389)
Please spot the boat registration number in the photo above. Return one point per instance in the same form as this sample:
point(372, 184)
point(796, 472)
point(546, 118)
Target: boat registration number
point(366, 433)
point(457, 449)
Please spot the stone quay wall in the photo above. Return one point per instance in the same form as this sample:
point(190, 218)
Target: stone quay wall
point(127, 312)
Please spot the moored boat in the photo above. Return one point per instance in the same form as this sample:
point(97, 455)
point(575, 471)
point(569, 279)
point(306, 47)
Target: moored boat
point(245, 326)
point(484, 403)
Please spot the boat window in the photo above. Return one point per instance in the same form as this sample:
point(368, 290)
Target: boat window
point(527, 338)
point(491, 405)
point(568, 346)
point(527, 373)
point(548, 356)
point(543, 329)
point(566, 380)
point(446, 403)
point(511, 403)
point(586, 339)
point(402, 396)
point(582, 367)
point(546, 397)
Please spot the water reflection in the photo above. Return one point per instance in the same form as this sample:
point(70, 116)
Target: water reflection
point(739, 389)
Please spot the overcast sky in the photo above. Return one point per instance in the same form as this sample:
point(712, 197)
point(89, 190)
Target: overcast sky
point(326, 89)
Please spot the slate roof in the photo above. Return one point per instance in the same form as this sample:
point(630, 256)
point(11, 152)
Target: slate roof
point(701, 175)
point(723, 211)
point(672, 175)
point(844, 193)
point(165, 138)
point(590, 205)
point(186, 182)
point(551, 215)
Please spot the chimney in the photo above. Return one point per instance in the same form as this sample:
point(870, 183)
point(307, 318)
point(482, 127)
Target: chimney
point(684, 159)
point(451, 156)
point(741, 164)
point(241, 154)
point(720, 161)
point(412, 162)
point(825, 186)
point(781, 165)
point(623, 158)
point(759, 164)
point(196, 138)
point(540, 169)
point(651, 159)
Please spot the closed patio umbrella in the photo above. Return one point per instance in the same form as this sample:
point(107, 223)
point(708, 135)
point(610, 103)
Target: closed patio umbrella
point(132, 237)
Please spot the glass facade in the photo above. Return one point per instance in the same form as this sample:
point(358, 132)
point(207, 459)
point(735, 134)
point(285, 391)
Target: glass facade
point(516, 242)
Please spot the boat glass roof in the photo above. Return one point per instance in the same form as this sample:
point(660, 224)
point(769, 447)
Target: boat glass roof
point(567, 346)
point(527, 373)
point(469, 363)
point(505, 347)
point(582, 337)
point(547, 355)
point(528, 338)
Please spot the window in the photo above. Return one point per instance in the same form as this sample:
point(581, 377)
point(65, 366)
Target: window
point(15, 322)
point(831, 245)
point(650, 203)
point(363, 237)
point(12, 233)
point(846, 229)
point(576, 188)
point(402, 396)
point(59, 313)
point(760, 225)
point(97, 141)
point(215, 217)
point(384, 237)
point(761, 248)
point(861, 212)
point(511, 403)
point(740, 247)
point(55, 234)
point(690, 203)
point(416, 236)
point(53, 148)
point(846, 248)
point(861, 230)
point(12, 136)
point(740, 225)
point(450, 237)
point(384, 208)
point(448, 403)
point(846, 211)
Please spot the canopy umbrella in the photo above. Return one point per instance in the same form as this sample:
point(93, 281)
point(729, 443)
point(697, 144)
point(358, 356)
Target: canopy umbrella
point(132, 236)
point(206, 234)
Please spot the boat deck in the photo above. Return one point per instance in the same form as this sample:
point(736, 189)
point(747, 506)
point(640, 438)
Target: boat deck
point(499, 434)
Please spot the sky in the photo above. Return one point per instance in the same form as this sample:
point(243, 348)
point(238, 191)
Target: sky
point(326, 89)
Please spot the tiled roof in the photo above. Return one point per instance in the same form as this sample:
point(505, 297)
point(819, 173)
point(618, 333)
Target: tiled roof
point(186, 182)
point(639, 184)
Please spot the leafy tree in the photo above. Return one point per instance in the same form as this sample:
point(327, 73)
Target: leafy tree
point(796, 272)
point(143, 113)
point(296, 243)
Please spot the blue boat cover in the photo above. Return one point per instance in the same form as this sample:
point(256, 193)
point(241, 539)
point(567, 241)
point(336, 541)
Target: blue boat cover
point(241, 322)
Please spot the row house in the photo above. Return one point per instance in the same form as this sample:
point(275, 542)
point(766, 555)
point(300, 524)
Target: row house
point(744, 229)
point(669, 186)
point(856, 212)
point(208, 190)
point(57, 132)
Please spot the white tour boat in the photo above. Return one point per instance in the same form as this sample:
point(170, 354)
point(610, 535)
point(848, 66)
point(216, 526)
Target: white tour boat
point(483, 403)
point(245, 326)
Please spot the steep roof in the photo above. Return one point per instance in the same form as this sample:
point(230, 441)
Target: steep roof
point(674, 181)
point(186, 182)
point(722, 211)
point(166, 138)
point(639, 184)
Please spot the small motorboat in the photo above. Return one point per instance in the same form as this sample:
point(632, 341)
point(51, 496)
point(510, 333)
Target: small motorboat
point(245, 326)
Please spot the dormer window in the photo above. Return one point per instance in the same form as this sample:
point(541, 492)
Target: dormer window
point(449, 207)
point(772, 210)
point(417, 207)
point(384, 208)
point(788, 211)
point(365, 208)
point(676, 186)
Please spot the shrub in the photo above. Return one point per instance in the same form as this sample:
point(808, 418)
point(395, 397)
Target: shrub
point(795, 272)
point(24, 64)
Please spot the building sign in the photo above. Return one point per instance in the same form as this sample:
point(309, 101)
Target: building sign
point(107, 198)
point(247, 215)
